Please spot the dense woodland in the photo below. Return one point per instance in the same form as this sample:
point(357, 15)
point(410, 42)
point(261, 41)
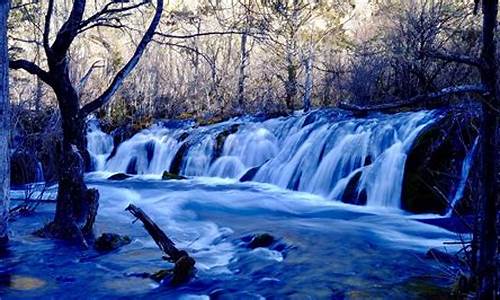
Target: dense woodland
point(130, 63)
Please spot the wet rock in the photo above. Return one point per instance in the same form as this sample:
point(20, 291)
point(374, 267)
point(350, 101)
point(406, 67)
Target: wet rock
point(433, 166)
point(150, 150)
point(132, 166)
point(169, 176)
point(119, 176)
point(261, 240)
point(175, 167)
point(351, 194)
point(183, 136)
point(250, 174)
point(221, 139)
point(111, 241)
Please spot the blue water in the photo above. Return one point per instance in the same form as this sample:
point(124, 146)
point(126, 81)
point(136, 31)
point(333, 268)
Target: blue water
point(324, 249)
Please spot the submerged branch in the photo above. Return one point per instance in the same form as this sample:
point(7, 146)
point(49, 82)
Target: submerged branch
point(184, 264)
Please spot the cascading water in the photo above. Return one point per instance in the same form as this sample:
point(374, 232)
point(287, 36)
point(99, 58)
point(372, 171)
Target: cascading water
point(99, 144)
point(466, 166)
point(329, 153)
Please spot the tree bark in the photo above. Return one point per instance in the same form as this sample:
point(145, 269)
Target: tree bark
point(309, 81)
point(4, 124)
point(242, 70)
point(489, 194)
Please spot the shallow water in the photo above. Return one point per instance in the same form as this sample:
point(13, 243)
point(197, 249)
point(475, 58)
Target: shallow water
point(325, 249)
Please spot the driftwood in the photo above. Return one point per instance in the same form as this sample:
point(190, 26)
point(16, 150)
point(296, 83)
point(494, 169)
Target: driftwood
point(184, 264)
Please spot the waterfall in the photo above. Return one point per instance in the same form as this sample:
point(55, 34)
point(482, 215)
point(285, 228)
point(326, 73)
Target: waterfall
point(466, 166)
point(325, 152)
point(99, 144)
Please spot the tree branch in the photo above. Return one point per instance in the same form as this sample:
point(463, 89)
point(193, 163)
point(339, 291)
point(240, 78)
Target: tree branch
point(86, 77)
point(417, 100)
point(69, 29)
point(457, 58)
point(46, 31)
point(189, 36)
point(129, 66)
point(31, 68)
point(106, 10)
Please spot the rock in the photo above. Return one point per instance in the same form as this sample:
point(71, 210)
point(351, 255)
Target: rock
point(119, 176)
point(175, 167)
point(262, 240)
point(132, 166)
point(169, 176)
point(221, 139)
point(111, 241)
point(183, 136)
point(434, 163)
point(250, 174)
point(351, 194)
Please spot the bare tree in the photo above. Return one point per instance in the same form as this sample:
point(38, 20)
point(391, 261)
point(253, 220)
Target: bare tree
point(76, 204)
point(4, 123)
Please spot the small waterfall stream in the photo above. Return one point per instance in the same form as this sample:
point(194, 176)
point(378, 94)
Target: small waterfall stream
point(326, 152)
point(466, 166)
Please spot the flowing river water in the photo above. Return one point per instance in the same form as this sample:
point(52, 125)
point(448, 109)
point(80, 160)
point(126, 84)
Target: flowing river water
point(323, 249)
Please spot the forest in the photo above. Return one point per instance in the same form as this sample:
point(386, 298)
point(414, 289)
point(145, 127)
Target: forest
point(249, 149)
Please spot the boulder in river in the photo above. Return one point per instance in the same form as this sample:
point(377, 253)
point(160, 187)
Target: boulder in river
point(170, 176)
point(111, 241)
point(434, 163)
point(261, 240)
point(119, 176)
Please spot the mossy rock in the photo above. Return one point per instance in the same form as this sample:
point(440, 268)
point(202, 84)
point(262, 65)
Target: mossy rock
point(170, 176)
point(210, 121)
point(119, 176)
point(111, 241)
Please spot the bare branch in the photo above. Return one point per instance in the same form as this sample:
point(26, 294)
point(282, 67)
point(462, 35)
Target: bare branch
point(129, 66)
point(86, 77)
point(69, 30)
point(107, 11)
point(189, 36)
point(46, 31)
point(457, 58)
point(31, 68)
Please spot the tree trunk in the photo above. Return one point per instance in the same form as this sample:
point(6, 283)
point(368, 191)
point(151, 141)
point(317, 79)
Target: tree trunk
point(309, 81)
point(291, 82)
point(4, 124)
point(77, 205)
point(242, 74)
point(489, 194)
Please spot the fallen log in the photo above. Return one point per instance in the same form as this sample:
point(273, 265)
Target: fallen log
point(184, 264)
point(431, 100)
